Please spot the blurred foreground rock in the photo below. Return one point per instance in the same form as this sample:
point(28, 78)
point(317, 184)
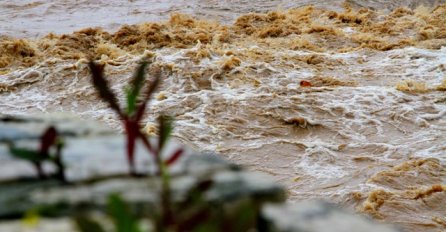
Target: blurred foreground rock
point(317, 216)
point(97, 167)
point(91, 149)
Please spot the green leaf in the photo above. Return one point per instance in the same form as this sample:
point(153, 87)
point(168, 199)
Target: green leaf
point(134, 89)
point(206, 226)
point(245, 217)
point(60, 142)
point(150, 90)
point(86, 224)
point(121, 215)
point(26, 154)
point(165, 129)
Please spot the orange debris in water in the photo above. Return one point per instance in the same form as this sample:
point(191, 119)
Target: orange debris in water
point(305, 84)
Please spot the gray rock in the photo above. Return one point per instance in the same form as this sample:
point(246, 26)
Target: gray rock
point(96, 167)
point(31, 126)
point(317, 217)
point(228, 186)
point(14, 196)
point(91, 149)
point(44, 225)
point(207, 163)
point(9, 132)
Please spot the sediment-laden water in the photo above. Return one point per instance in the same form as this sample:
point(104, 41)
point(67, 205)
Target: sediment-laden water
point(365, 129)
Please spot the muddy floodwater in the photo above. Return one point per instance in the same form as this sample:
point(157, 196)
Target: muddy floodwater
point(344, 102)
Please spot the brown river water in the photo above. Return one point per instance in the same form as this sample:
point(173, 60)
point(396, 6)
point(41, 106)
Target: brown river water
point(369, 133)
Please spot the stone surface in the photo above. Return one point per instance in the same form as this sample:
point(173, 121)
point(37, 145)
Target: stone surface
point(43, 225)
point(92, 149)
point(317, 217)
point(228, 185)
point(96, 167)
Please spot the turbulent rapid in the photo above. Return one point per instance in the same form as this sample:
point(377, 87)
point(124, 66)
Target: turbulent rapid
point(367, 131)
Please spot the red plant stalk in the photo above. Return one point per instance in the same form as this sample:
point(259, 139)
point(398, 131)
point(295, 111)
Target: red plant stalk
point(47, 140)
point(133, 132)
point(131, 119)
